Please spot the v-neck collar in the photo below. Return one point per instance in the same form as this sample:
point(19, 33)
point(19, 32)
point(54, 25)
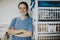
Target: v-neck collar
point(23, 19)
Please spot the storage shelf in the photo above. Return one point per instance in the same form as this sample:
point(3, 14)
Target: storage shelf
point(48, 7)
point(48, 22)
point(48, 34)
point(48, 0)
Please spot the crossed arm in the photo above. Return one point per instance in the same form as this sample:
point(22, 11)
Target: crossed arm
point(25, 33)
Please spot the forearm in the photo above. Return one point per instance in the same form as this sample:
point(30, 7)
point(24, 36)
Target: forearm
point(27, 34)
point(13, 32)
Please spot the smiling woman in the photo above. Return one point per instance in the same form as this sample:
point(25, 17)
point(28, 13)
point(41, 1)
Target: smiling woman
point(21, 28)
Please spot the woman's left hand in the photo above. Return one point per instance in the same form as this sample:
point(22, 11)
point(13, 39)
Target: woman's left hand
point(27, 34)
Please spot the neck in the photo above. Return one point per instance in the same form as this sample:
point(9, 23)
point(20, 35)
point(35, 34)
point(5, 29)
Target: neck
point(22, 17)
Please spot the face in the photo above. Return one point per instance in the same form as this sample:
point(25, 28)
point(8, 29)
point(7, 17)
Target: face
point(22, 8)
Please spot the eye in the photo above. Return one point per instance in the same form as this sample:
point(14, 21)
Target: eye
point(19, 7)
point(24, 7)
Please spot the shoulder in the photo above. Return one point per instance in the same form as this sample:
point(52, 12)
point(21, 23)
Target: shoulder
point(14, 19)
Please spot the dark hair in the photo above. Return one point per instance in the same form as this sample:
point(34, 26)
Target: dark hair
point(25, 5)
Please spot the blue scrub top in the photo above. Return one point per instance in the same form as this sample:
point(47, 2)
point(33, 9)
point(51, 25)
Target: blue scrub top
point(19, 24)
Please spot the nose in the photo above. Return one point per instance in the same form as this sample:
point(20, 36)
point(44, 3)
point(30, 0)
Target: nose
point(22, 9)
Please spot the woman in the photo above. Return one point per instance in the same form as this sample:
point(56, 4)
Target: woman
point(21, 28)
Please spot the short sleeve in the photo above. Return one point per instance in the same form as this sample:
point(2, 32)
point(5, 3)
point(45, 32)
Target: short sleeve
point(13, 23)
point(30, 28)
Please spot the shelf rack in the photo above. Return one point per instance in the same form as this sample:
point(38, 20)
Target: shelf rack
point(46, 21)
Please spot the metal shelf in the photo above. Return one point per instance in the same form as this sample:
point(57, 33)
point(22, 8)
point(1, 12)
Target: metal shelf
point(48, 22)
point(48, 8)
point(52, 19)
point(48, 34)
point(48, 0)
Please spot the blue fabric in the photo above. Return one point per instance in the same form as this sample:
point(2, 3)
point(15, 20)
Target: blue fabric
point(21, 38)
point(13, 23)
point(19, 24)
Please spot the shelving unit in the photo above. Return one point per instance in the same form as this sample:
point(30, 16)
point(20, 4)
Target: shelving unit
point(46, 22)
